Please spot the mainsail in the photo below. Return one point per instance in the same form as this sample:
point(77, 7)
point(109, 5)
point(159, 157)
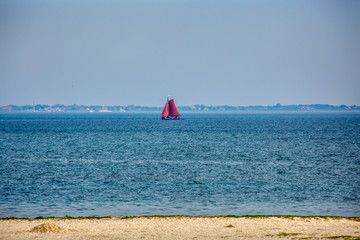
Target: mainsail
point(172, 108)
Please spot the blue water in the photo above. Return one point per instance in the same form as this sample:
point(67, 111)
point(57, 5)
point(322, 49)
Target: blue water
point(57, 164)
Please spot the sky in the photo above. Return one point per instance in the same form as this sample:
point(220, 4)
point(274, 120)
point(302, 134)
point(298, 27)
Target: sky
point(212, 52)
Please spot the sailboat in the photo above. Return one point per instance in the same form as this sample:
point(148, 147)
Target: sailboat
point(170, 111)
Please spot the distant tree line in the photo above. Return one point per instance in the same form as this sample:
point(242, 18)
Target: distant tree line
point(277, 107)
point(126, 108)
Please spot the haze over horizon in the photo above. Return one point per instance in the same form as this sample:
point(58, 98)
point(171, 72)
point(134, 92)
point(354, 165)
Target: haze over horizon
point(237, 53)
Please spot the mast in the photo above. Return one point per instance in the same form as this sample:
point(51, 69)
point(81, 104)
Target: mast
point(167, 103)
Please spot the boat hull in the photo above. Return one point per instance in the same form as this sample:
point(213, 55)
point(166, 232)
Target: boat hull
point(171, 118)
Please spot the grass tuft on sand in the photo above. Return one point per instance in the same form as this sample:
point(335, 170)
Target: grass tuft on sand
point(230, 226)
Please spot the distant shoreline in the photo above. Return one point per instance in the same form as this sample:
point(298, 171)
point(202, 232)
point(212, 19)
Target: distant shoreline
point(354, 218)
point(193, 108)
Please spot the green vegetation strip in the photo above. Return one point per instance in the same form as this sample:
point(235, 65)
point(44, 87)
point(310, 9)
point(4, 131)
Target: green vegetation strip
point(182, 216)
point(288, 234)
point(345, 237)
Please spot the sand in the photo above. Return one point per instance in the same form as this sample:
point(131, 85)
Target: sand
point(182, 228)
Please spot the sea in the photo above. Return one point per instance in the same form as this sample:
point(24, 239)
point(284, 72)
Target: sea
point(221, 163)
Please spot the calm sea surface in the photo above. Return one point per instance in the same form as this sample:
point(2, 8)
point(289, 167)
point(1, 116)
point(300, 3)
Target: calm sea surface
point(57, 164)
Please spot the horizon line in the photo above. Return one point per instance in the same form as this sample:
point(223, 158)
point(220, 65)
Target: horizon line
point(198, 104)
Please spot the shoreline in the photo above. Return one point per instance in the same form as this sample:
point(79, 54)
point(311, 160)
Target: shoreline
point(182, 227)
point(354, 218)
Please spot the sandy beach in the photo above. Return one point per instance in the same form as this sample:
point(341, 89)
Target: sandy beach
point(182, 228)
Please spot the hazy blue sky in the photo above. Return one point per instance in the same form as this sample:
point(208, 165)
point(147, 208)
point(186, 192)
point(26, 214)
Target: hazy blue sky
point(213, 52)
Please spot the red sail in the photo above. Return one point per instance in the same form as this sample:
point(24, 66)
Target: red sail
point(172, 109)
point(165, 111)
